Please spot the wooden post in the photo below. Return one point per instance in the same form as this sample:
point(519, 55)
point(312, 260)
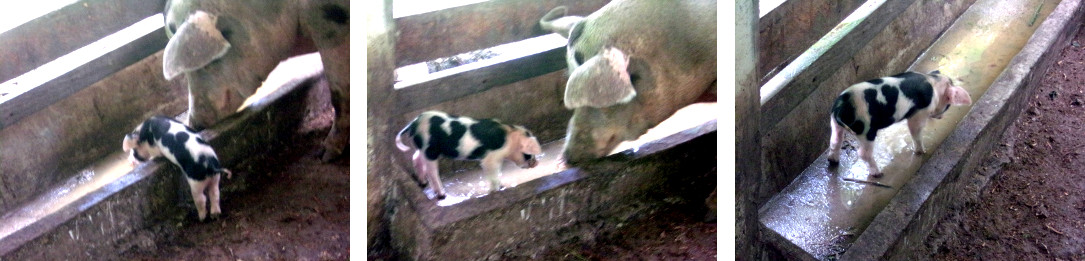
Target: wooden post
point(747, 139)
point(380, 51)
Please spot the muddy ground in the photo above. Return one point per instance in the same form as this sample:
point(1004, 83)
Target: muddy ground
point(676, 232)
point(1033, 208)
point(299, 211)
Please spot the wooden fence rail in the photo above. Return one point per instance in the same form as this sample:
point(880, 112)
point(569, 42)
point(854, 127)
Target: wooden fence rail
point(58, 54)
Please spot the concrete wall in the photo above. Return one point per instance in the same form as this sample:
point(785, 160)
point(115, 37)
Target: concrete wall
point(791, 144)
point(789, 29)
point(47, 146)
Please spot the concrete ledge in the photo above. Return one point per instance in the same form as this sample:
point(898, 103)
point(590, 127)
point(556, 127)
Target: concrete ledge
point(98, 223)
point(898, 232)
point(523, 221)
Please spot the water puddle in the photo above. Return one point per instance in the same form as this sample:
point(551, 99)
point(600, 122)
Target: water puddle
point(825, 208)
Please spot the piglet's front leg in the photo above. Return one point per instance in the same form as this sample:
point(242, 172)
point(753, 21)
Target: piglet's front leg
point(491, 167)
point(915, 126)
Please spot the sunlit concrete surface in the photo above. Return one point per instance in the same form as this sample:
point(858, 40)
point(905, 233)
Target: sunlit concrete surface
point(825, 209)
point(297, 67)
point(470, 183)
point(15, 14)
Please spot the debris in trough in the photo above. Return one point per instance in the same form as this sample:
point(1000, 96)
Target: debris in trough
point(868, 182)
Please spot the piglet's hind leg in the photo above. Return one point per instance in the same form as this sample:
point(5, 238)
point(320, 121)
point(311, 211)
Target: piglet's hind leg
point(866, 152)
point(197, 188)
point(836, 140)
point(420, 165)
point(434, 176)
point(213, 193)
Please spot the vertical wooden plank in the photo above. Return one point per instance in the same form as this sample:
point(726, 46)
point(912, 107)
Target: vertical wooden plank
point(747, 150)
point(380, 62)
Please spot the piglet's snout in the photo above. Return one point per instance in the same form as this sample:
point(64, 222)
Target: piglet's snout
point(530, 161)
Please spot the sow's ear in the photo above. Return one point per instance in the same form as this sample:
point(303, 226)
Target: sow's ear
point(958, 96)
point(601, 81)
point(196, 44)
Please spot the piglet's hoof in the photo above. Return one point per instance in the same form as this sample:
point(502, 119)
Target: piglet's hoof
point(329, 155)
point(440, 197)
point(877, 175)
point(833, 163)
point(334, 145)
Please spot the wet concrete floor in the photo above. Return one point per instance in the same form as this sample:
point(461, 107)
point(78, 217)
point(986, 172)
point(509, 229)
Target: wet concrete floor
point(825, 209)
point(469, 183)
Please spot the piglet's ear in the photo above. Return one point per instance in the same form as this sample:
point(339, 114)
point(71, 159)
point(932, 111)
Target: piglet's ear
point(128, 143)
point(958, 96)
point(531, 146)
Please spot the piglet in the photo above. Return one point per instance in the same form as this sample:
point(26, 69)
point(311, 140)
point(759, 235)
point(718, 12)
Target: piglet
point(866, 107)
point(437, 134)
point(161, 136)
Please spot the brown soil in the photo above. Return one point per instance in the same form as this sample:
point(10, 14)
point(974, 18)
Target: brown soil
point(1033, 208)
point(676, 232)
point(300, 211)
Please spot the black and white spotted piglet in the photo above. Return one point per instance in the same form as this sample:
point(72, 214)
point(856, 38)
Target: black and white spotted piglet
point(161, 136)
point(866, 107)
point(438, 134)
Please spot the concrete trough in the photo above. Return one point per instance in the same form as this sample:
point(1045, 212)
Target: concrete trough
point(93, 223)
point(897, 227)
point(574, 204)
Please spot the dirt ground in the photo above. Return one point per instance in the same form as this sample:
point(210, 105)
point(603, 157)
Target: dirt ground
point(676, 232)
point(300, 212)
point(1034, 206)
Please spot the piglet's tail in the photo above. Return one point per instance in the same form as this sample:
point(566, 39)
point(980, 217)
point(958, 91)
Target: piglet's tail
point(229, 175)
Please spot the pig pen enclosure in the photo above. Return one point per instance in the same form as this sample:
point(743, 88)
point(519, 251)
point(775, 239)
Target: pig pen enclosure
point(794, 205)
point(514, 71)
point(78, 75)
